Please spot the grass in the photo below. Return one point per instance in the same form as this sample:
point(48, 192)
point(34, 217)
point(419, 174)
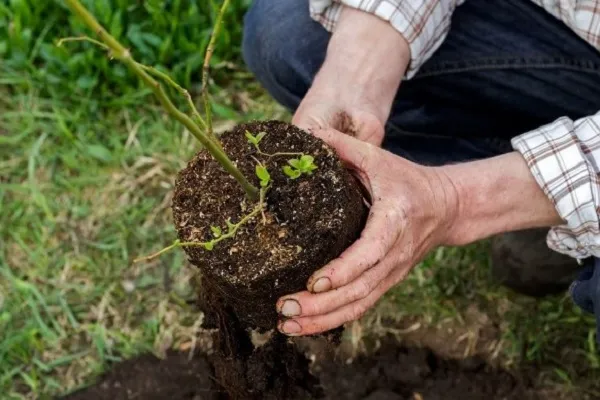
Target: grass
point(81, 197)
point(86, 172)
point(453, 296)
point(170, 34)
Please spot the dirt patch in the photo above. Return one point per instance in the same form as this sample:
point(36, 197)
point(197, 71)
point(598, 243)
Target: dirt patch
point(389, 372)
point(394, 372)
point(149, 378)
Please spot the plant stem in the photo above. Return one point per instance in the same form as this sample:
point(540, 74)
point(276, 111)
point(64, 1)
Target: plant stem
point(206, 67)
point(180, 89)
point(120, 52)
point(259, 208)
point(152, 71)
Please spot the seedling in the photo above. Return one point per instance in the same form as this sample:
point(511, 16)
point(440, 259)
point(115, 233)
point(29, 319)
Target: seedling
point(263, 175)
point(255, 140)
point(216, 231)
point(199, 126)
point(299, 166)
point(204, 134)
point(305, 164)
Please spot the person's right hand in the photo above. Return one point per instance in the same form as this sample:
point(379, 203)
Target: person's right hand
point(353, 91)
point(320, 111)
point(412, 212)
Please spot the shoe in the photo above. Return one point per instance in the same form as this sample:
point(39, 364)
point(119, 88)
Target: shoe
point(523, 262)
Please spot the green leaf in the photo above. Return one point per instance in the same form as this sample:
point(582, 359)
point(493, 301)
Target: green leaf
point(86, 82)
point(307, 159)
point(216, 231)
point(152, 39)
point(116, 28)
point(296, 163)
point(99, 152)
point(291, 172)
point(251, 138)
point(260, 136)
point(263, 174)
point(230, 226)
point(209, 246)
point(305, 163)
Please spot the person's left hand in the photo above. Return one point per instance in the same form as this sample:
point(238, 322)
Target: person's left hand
point(412, 209)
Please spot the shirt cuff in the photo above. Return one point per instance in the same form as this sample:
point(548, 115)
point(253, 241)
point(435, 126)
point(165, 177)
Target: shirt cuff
point(424, 24)
point(569, 177)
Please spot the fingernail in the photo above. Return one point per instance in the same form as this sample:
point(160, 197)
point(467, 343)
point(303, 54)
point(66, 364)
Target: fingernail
point(290, 308)
point(321, 285)
point(290, 328)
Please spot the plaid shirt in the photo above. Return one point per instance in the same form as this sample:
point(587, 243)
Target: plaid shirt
point(563, 156)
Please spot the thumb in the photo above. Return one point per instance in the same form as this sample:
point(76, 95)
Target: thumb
point(301, 122)
point(312, 115)
point(308, 124)
point(352, 151)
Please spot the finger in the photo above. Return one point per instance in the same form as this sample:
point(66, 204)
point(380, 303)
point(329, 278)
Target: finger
point(306, 304)
point(379, 235)
point(312, 116)
point(351, 312)
point(324, 322)
point(308, 124)
point(351, 150)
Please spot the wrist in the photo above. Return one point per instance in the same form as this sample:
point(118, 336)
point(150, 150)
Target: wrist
point(365, 63)
point(495, 195)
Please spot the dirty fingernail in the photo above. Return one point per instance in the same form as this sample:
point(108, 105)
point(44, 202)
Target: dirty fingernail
point(290, 328)
point(321, 285)
point(291, 308)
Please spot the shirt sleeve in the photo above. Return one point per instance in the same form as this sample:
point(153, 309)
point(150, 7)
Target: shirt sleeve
point(564, 158)
point(424, 24)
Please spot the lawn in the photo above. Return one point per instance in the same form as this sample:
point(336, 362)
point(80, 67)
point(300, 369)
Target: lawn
point(87, 163)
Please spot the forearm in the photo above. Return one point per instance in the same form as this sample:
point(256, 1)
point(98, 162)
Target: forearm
point(365, 63)
point(495, 195)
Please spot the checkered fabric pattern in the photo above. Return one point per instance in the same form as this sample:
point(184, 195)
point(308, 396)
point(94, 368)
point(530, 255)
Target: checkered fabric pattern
point(424, 24)
point(564, 156)
point(582, 16)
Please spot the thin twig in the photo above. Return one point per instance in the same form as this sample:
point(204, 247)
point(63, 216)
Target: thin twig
point(232, 231)
point(120, 52)
point(175, 244)
point(206, 67)
point(183, 91)
point(151, 70)
point(82, 39)
point(279, 154)
point(262, 204)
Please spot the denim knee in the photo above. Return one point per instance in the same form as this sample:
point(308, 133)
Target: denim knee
point(258, 42)
point(283, 47)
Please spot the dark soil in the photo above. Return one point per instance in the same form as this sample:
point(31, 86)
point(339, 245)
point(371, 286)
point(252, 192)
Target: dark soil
point(309, 221)
point(150, 378)
point(276, 370)
point(396, 373)
point(390, 373)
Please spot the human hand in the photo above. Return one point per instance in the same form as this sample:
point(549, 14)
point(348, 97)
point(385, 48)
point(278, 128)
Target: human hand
point(412, 210)
point(358, 81)
point(320, 111)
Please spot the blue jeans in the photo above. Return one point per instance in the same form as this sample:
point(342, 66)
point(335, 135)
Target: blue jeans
point(506, 67)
